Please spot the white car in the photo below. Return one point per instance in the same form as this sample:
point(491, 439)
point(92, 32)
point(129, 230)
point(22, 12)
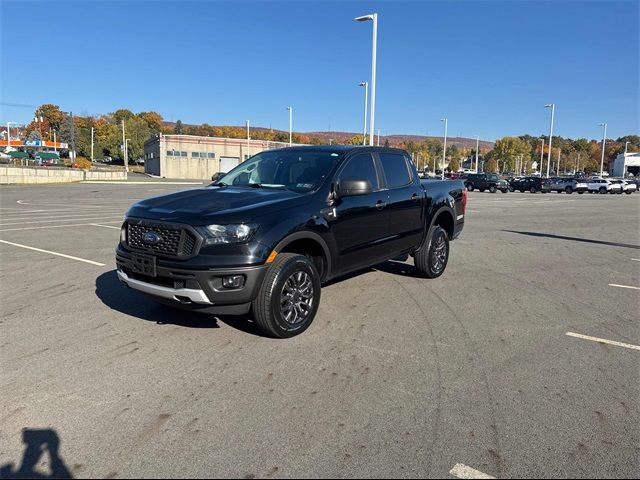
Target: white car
point(603, 185)
point(629, 187)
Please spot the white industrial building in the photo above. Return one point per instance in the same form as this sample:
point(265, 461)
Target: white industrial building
point(196, 157)
point(626, 164)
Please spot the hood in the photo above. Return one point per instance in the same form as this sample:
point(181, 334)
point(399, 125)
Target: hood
point(229, 204)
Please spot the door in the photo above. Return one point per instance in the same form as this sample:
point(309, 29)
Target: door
point(406, 201)
point(228, 163)
point(360, 226)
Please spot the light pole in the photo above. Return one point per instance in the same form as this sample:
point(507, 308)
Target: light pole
point(378, 137)
point(624, 159)
point(290, 123)
point(374, 18)
point(91, 144)
point(541, 156)
point(477, 147)
point(366, 100)
point(248, 139)
point(9, 135)
point(444, 152)
point(553, 110)
point(604, 140)
point(55, 144)
point(126, 152)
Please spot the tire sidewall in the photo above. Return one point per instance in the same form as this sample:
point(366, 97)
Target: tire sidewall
point(295, 264)
point(437, 231)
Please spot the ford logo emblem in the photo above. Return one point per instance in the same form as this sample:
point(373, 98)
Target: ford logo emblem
point(151, 238)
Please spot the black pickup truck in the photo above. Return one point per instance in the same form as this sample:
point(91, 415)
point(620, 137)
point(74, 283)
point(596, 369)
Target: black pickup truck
point(271, 231)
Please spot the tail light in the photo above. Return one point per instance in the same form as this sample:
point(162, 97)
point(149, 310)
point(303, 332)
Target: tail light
point(464, 201)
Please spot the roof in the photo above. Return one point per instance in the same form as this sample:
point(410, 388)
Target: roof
point(341, 148)
point(18, 154)
point(47, 155)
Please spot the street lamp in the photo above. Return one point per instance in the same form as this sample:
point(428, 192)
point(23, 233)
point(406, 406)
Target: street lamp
point(444, 152)
point(290, 123)
point(604, 139)
point(366, 99)
point(541, 156)
point(477, 147)
point(126, 152)
point(553, 109)
point(624, 159)
point(248, 138)
point(374, 18)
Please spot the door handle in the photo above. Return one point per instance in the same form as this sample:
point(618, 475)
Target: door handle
point(415, 197)
point(380, 204)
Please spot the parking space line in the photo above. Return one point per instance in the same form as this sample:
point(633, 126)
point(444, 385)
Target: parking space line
point(54, 226)
point(42, 216)
point(603, 340)
point(105, 226)
point(91, 217)
point(462, 471)
point(624, 286)
point(54, 253)
point(636, 259)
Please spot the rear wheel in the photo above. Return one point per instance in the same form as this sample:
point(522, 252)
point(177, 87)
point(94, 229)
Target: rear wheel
point(432, 257)
point(569, 190)
point(470, 187)
point(628, 192)
point(532, 189)
point(492, 189)
point(602, 190)
point(289, 296)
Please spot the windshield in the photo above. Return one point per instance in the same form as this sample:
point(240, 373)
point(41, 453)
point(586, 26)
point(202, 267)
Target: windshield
point(296, 170)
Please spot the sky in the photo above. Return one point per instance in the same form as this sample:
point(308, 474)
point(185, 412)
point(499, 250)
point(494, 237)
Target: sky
point(488, 67)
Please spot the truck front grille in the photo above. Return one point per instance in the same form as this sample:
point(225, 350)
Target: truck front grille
point(178, 242)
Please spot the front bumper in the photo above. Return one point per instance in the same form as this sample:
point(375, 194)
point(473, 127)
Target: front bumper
point(194, 289)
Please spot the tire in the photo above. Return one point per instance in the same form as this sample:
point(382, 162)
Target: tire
point(628, 192)
point(297, 275)
point(481, 189)
point(504, 190)
point(602, 190)
point(492, 189)
point(511, 189)
point(432, 257)
point(580, 193)
point(532, 189)
point(522, 190)
point(569, 190)
point(470, 187)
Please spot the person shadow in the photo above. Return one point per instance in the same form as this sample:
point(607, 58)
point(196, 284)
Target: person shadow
point(37, 444)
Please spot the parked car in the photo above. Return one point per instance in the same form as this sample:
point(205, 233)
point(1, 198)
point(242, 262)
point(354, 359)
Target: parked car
point(603, 185)
point(529, 184)
point(567, 185)
point(283, 222)
point(485, 181)
point(629, 186)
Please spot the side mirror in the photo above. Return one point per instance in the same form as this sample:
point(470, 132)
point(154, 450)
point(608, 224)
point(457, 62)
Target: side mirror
point(350, 188)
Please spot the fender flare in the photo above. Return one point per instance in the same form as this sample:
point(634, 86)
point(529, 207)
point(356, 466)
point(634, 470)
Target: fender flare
point(438, 212)
point(308, 235)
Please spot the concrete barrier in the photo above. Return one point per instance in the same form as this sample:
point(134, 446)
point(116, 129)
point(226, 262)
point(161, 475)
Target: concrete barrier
point(31, 175)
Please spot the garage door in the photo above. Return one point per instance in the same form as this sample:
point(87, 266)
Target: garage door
point(228, 163)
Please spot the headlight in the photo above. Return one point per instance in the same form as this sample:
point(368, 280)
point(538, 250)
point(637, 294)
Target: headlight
point(123, 233)
point(219, 234)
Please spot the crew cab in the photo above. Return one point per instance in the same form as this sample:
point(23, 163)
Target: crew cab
point(268, 234)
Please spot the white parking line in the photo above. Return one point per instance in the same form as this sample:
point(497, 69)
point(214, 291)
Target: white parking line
point(603, 340)
point(636, 259)
point(54, 226)
point(54, 253)
point(91, 217)
point(43, 216)
point(624, 286)
point(462, 471)
point(105, 226)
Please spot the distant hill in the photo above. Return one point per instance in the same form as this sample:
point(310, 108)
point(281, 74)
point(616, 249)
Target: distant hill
point(343, 137)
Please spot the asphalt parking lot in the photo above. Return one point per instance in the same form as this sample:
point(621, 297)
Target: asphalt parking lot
point(397, 377)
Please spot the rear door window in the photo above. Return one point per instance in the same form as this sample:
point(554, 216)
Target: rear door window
point(395, 170)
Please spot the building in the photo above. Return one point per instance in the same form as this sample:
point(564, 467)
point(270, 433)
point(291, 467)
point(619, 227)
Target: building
point(626, 164)
point(195, 157)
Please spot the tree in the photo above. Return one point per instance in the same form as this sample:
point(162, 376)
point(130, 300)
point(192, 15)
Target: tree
point(122, 114)
point(508, 149)
point(178, 128)
point(51, 114)
point(153, 120)
point(355, 140)
point(491, 166)
point(454, 165)
point(34, 135)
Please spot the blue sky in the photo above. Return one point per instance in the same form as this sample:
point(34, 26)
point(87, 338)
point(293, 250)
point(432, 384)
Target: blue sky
point(489, 67)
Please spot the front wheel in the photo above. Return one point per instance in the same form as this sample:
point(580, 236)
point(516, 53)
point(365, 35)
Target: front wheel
point(432, 257)
point(492, 189)
point(628, 192)
point(532, 189)
point(289, 296)
point(470, 187)
point(602, 190)
point(569, 190)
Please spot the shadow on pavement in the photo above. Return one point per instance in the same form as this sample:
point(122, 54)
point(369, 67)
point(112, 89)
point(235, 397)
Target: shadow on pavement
point(115, 296)
point(37, 444)
point(574, 239)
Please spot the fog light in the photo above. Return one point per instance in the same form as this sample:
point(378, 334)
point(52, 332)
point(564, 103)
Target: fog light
point(233, 281)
